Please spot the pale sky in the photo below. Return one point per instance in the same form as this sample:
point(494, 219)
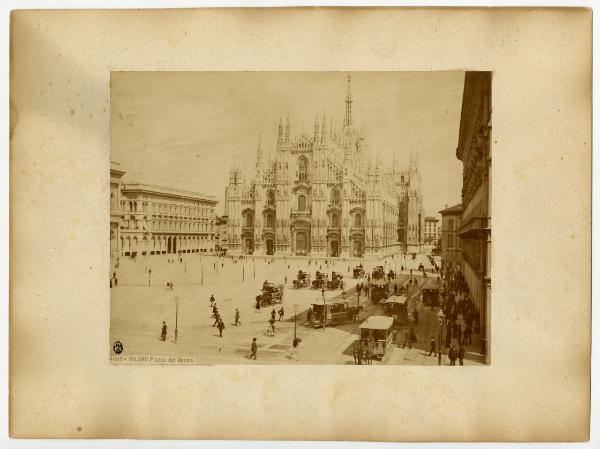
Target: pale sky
point(184, 129)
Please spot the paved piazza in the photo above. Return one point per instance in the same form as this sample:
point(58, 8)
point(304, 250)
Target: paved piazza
point(138, 310)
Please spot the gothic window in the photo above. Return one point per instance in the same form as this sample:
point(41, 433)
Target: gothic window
point(402, 178)
point(271, 198)
point(358, 221)
point(302, 168)
point(248, 219)
point(335, 197)
point(335, 221)
point(301, 203)
point(270, 220)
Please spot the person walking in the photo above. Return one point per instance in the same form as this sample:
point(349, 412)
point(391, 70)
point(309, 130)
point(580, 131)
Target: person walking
point(273, 314)
point(461, 354)
point(467, 335)
point(217, 319)
point(355, 353)
point(272, 323)
point(406, 339)
point(212, 300)
point(415, 314)
point(281, 313)
point(432, 348)
point(221, 326)
point(459, 334)
point(452, 355)
point(163, 334)
point(237, 317)
point(253, 349)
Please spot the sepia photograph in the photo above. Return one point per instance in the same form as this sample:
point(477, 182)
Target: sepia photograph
point(300, 217)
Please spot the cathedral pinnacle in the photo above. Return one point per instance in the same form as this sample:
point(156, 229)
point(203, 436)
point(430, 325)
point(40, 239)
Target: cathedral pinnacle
point(348, 115)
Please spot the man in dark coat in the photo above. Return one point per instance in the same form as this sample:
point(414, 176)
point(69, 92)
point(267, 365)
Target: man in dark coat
point(452, 355)
point(217, 319)
point(237, 317)
point(273, 314)
point(432, 347)
point(163, 334)
point(461, 354)
point(221, 326)
point(253, 349)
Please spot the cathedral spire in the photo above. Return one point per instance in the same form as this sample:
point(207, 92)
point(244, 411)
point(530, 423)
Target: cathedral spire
point(287, 130)
point(280, 133)
point(323, 129)
point(316, 136)
point(348, 116)
point(258, 157)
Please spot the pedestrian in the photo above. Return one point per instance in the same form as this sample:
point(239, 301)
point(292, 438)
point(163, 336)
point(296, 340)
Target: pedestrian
point(309, 313)
point(461, 354)
point(253, 349)
point(467, 335)
point(415, 314)
point(273, 314)
point(452, 355)
point(285, 280)
point(459, 334)
point(355, 353)
point(116, 281)
point(163, 334)
point(237, 317)
point(215, 309)
point(110, 283)
point(221, 326)
point(406, 339)
point(272, 323)
point(217, 319)
point(281, 312)
point(432, 347)
point(211, 300)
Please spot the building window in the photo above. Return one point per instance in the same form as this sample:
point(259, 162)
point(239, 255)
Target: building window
point(270, 220)
point(301, 203)
point(271, 198)
point(450, 241)
point(335, 197)
point(335, 220)
point(358, 221)
point(302, 169)
point(248, 219)
point(450, 224)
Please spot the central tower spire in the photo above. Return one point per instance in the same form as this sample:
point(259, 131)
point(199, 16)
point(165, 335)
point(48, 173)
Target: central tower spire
point(348, 116)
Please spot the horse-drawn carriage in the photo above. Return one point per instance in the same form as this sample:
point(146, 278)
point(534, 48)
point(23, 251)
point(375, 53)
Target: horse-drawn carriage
point(320, 280)
point(358, 272)
point(380, 289)
point(335, 282)
point(378, 273)
point(302, 279)
point(335, 313)
point(270, 295)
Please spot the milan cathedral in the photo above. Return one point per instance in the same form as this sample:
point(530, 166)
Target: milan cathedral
point(325, 195)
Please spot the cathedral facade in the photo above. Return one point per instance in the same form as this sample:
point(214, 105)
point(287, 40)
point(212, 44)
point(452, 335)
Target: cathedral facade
point(323, 194)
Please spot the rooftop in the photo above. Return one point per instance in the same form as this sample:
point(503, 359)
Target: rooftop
point(454, 209)
point(168, 191)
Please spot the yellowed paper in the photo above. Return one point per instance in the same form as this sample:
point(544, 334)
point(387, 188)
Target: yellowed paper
point(536, 388)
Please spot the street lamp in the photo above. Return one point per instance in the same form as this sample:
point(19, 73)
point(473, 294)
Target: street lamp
point(149, 276)
point(324, 318)
point(295, 318)
point(176, 315)
point(440, 317)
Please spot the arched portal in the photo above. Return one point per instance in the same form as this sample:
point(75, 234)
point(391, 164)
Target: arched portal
point(334, 250)
point(269, 244)
point(301, 243)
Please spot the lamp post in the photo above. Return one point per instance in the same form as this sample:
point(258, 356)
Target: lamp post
point(176, 315)
point(202, 270)
point(440, 317)
point(149, 276)
point(324, 317)
point(295, 318)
